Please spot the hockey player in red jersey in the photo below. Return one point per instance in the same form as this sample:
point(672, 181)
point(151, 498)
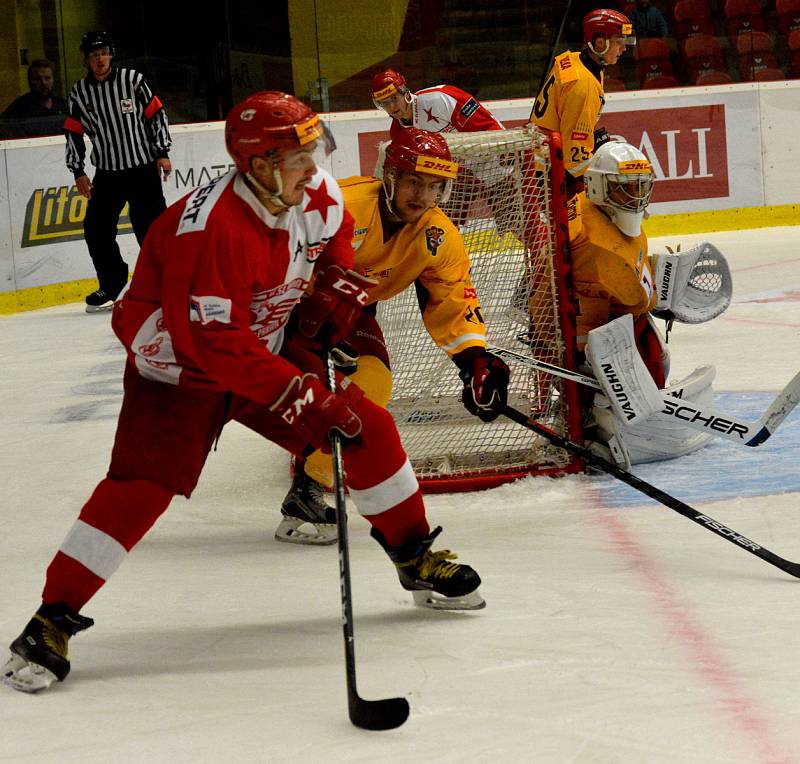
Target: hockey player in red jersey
point(438, 109)
point(403, 238)
point(204, 322)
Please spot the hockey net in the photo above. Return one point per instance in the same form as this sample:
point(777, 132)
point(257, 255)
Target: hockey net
point(508, 203)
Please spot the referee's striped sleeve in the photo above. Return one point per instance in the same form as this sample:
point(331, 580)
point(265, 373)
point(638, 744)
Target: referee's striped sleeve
point(155, 116)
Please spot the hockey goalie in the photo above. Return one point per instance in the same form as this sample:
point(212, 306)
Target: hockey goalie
point(619, 288)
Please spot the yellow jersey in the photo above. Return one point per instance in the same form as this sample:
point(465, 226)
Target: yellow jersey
point(612, 274)
point(569, 103)
point(430, 252)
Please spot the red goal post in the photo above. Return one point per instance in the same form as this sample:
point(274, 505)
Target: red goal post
point(508, 201)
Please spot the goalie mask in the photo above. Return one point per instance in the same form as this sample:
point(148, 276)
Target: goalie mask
point(418, 151)
point(619, 179)
point(265, 125)
point(608, 24)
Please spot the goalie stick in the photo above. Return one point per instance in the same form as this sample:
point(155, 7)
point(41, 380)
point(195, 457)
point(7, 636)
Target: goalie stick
point(383, 714)
point(792, 568)
point(706, 420)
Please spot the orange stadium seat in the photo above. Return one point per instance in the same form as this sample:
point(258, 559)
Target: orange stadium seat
point(769, 75)
point(662, 81)
point(754, 52)
point(703, 53)
point(794, 52)
point(712, 77)
point(613, 85)
point(787, 16)
point(743, 16)
point(692, 17)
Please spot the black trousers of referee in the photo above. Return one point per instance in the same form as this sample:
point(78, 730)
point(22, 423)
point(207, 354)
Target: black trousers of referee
point(141, 187)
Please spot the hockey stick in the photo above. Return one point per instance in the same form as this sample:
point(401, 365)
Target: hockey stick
point(368, 714)
point(706, 420)
point(552, 55)
point(792, 568)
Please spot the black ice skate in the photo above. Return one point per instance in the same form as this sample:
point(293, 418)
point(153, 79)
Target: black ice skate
point(434, 581)
point(99, 301)
point(39, 654)
point(304, 510)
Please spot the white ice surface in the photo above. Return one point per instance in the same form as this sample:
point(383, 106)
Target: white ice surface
point(616, 630)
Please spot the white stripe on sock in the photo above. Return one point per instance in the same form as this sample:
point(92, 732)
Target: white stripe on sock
point(93, 549)
point(388, 494)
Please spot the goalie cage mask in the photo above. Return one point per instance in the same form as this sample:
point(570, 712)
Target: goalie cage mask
point(619, 178)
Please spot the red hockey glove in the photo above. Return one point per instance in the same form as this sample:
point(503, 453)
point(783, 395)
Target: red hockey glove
point(329, 313)
point(485, 378)
point(314, 411)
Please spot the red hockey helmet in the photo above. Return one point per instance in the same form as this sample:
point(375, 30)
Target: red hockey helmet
point(417, 150)
point(268, 121)
point(386, 84)
point(607, 23)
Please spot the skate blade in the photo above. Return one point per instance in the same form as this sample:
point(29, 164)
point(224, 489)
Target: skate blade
point(25, 676)
point(106, 308)
point(433, 601)
point(290, 531)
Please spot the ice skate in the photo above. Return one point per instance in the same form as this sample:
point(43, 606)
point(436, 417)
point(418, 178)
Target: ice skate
point(306, 519)
point(434, 581)
point(99, 301)
point(39, 655)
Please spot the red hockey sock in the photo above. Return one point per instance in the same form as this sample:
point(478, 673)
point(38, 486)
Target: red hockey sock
point(403, 522)
point(117, 515)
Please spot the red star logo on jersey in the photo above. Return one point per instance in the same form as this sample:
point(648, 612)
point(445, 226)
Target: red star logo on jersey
point(320, 200)
point(430, 116)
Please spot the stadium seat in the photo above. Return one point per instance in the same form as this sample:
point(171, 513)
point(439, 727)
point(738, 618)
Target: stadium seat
point(613, 85)
point(794, 52)
point(662, 81)
point(712, 77)
point(743, 16)
point(692, 17)
point(652, 58)
point(787, 16)
point(754, 52)
point(769, 75)
point(703, 53)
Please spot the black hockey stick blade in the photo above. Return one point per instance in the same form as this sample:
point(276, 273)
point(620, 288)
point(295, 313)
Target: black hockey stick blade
point(792, 568)
point(386, 714)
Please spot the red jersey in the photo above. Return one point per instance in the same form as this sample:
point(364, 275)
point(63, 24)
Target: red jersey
point(216, 280)
point(444, 109)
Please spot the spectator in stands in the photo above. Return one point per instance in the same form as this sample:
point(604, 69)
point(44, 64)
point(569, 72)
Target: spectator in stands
point(648, 21)
point(39, 108)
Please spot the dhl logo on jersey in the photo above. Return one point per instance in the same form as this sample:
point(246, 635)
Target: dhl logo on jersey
point(54, 215)
point(634, 167)
point(387, 92)
point(309, 130)
point(434, 166)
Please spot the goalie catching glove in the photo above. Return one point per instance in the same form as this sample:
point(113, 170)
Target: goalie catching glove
point(314, 411)
point(693, 286)
point(485, 378)
point(331, 310)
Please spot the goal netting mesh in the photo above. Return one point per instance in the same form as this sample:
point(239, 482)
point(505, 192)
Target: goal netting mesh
point(512, 221)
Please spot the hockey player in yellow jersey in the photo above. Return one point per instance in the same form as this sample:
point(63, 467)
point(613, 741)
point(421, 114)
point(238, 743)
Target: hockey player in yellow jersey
point(402, 238)
point(614, 277)
point(572, 95)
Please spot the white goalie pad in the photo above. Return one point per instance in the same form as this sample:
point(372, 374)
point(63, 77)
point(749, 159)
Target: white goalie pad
point(661, 436)
point(620, 370)
point(693, 286)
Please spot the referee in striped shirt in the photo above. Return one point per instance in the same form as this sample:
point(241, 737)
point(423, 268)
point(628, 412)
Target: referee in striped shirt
point(128, 128)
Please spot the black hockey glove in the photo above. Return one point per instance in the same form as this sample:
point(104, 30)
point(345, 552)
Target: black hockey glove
point(601, 136)
point(485, 378)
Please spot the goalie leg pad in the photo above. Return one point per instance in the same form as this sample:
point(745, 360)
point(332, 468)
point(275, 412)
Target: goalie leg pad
point(660, 437)
point(621, 372)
